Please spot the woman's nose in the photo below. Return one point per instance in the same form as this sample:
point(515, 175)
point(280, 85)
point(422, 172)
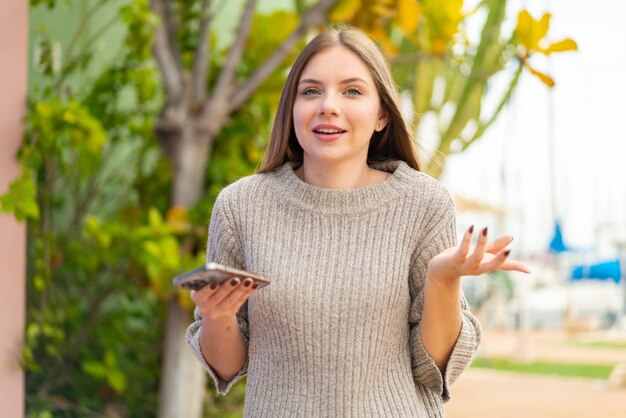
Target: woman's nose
point(329, 106)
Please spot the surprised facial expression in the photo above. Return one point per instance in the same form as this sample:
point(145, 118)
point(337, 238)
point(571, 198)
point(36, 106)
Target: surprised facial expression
point(337, 107)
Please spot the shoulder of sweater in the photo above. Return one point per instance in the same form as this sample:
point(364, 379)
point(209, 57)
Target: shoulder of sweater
point(241, 187)
point(425, 187)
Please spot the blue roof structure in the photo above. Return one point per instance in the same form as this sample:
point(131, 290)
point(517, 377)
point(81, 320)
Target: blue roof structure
point(607, 270)
point(557, 245)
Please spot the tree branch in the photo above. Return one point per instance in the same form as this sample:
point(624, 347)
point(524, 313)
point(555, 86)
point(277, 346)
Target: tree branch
point(82, 25)
point(86, 49)
point(172, 30)
point(316, 15)
point(227, 74)
point(201, 57)
point(164, 54)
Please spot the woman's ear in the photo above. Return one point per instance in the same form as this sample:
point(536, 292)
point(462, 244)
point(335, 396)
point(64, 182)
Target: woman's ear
point(382, 121)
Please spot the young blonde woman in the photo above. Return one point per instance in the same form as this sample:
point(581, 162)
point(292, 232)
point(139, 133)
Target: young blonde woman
point(364, 316)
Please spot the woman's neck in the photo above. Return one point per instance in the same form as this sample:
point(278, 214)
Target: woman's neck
point(339, 176)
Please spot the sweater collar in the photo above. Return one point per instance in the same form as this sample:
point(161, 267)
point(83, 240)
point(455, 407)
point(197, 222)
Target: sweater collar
point(345, 201)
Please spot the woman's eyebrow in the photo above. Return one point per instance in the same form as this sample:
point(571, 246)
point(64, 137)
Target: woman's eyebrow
point(353, 80)
point(346, 81)
point(310, 81)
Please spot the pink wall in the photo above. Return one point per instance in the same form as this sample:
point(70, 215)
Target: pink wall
point(13, 85)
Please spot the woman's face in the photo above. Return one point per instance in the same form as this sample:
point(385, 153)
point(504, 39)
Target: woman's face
point(337, 107)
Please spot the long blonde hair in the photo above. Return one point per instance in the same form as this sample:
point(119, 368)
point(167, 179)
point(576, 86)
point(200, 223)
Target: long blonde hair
point(395, 141)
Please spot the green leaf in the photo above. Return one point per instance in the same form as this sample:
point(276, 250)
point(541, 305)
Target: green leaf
point(95, 369)
point(117, 380)
point(155, 219)
point(33, 331)
point(21, 199)
point(153, 249)
point(39, 282)
point(170, 252)
point(110, 359)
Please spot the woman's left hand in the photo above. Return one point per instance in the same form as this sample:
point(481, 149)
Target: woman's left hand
point(472, 260)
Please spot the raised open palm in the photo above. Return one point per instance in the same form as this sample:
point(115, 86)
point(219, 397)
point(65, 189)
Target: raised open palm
point(472, 260)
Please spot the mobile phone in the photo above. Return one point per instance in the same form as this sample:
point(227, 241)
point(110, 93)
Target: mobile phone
point(214, 273)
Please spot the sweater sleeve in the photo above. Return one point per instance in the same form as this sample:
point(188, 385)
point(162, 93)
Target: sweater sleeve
point(440, 233)
point(224, 247)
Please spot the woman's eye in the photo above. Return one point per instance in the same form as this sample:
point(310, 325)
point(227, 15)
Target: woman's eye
point(310, 91)
point(352, 91)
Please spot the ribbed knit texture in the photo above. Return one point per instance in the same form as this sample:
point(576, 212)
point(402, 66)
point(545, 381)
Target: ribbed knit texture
point(336, 333)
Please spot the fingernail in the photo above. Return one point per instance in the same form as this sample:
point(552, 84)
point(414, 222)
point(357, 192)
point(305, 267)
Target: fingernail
point(485, 232)
point(255, 286)
point(507, 252)
point(471, 229)
point(213, 285)
point(246, 283)
point(233, 282)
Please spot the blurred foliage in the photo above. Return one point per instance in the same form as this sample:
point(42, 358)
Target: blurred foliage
point(94, 189)
point(94, 320)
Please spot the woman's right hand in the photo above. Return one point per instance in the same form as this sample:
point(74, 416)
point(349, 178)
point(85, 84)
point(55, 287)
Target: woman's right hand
point(222, 301)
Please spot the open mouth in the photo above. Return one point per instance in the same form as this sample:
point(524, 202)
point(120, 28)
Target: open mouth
point(328, 131)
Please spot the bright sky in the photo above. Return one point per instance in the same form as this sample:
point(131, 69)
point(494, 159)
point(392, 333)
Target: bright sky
point(589, 134)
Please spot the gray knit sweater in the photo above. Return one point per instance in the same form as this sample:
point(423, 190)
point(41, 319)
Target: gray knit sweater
point(337, 332)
